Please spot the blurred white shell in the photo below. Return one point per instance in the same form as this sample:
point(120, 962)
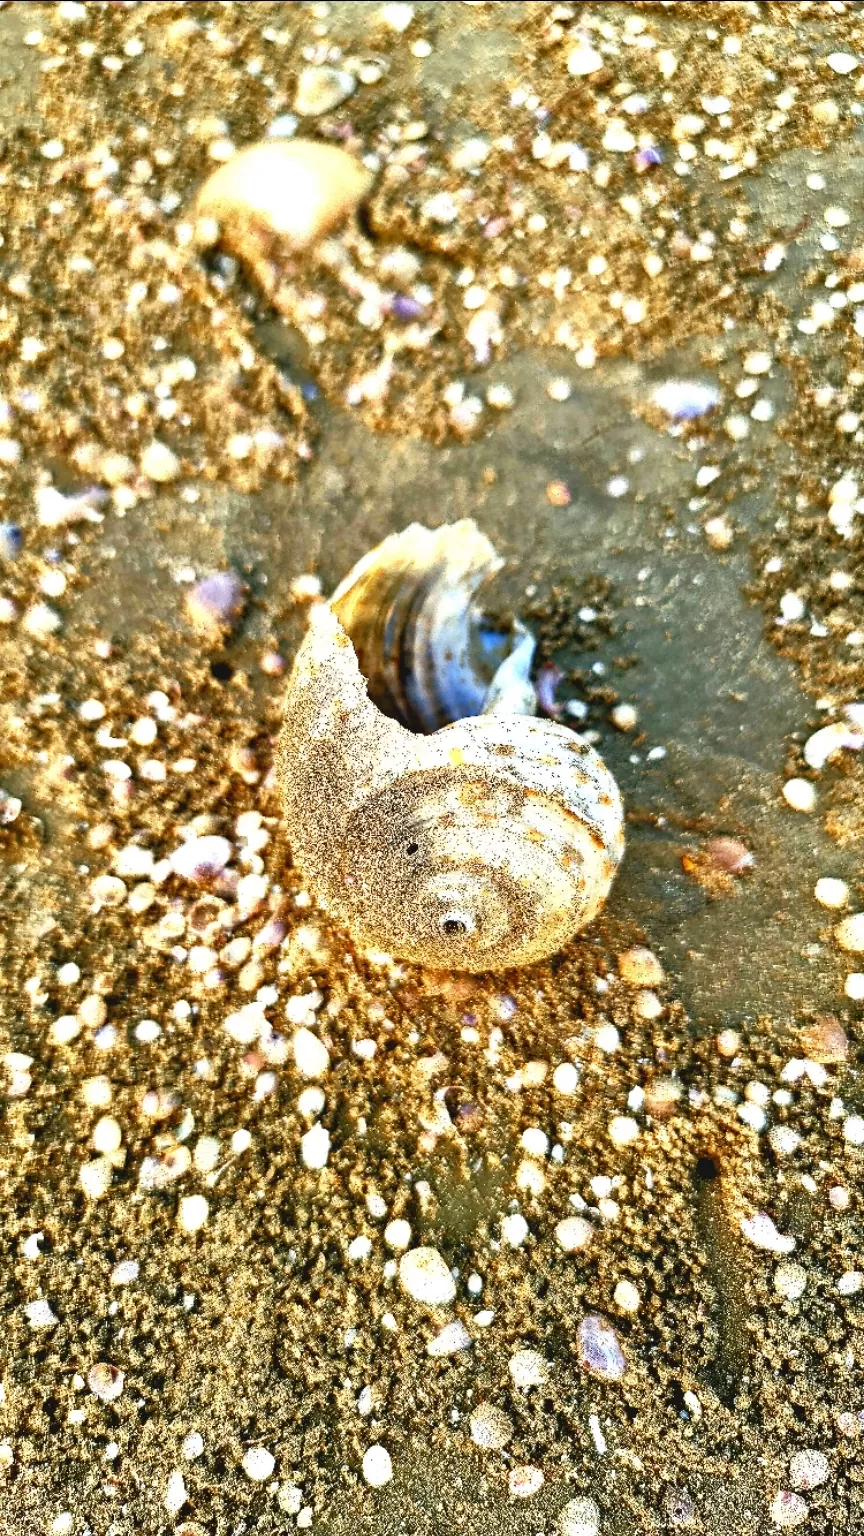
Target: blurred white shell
point(278, 198)
point(485, 844)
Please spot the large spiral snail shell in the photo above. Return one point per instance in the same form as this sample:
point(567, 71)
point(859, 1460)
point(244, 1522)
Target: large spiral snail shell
point(481, 838)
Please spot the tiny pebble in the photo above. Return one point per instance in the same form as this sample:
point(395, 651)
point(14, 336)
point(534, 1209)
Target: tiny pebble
point(95, 1178)
point(842, 63)
point(175, 1492)
point(453, 1338)
point(40, 1314)
point(850, 933)
point(573, 1233)
point(201, 858)
point(320, 89)
point(565, 1078)
point(853, 1130)
point(216, 603)
point(514, 1230)
point(524, 1481)
point(790, 1281)
point(800, 794)
point(192, 1212)
point(315, 1147)
point(640, 968)
point(105, 1381)
point(627, 1296)
point(311, 1055)
point(584, 60)
point(159, 463)
point(788, 1510)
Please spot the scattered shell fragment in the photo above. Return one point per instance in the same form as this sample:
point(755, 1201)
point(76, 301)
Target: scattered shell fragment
point(320, 89)
point(488, 842)
point(850, 933)
point(762, 1233)
point(377, 1466)
point(215, 604)
point(105, 1381)
point(279, 198)
point(491, 1428)
point(822, 745)
point(424, 1274)
point(599, 1350)
point(581, 1517)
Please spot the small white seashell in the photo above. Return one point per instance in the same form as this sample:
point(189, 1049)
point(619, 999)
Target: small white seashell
point(201, 858)
point(822, 745)
point(377, 1466)
point(481, 838)
point(452, 1338)
point(320, 89)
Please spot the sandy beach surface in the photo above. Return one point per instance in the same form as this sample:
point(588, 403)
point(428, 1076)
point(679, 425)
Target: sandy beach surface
point(297, 1237)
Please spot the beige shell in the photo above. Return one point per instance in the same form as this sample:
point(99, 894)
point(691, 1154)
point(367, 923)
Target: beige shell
point(486, 844)
point(276, 199)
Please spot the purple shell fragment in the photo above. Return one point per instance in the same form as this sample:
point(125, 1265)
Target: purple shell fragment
point(216, 602)
point(599, 1349)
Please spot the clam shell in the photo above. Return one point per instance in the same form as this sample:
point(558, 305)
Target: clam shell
point(422, 644)
point(279, 198)
point(485, 844)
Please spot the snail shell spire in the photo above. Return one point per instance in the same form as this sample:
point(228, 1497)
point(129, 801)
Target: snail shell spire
point(483, 844)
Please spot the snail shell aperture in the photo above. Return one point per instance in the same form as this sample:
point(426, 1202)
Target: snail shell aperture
point(471, 843)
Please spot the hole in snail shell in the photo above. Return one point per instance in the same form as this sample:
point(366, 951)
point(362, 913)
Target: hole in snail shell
point(412, 847)
point(455, 924)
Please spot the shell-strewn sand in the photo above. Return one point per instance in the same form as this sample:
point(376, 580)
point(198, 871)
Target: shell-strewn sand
point(294, 1237)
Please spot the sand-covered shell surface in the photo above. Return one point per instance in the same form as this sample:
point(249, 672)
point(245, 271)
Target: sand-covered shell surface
point(472, 843)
